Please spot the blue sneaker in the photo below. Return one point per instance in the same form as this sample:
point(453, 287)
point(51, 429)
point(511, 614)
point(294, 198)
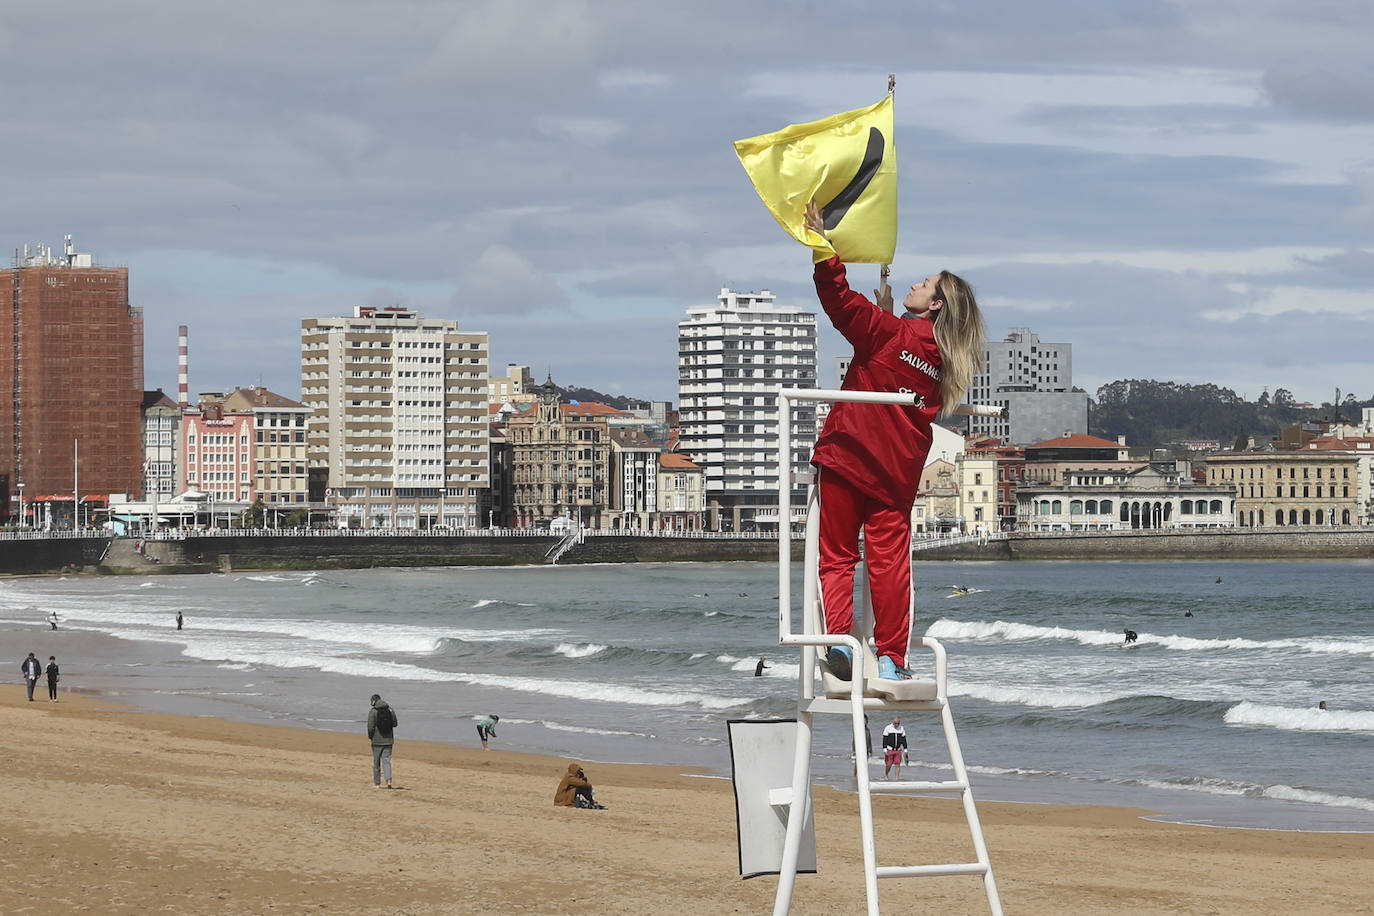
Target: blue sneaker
point(840, 661)
point(888, 670)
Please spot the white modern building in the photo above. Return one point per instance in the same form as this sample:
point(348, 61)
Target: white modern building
point(1033, 379)
point(161, 425)
point(732, 358)
point(398, 432)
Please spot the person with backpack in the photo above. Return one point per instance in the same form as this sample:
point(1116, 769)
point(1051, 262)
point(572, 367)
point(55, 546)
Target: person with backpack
point(381, 723)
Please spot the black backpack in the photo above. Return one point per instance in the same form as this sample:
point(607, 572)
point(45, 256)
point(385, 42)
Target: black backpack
point(385, 720)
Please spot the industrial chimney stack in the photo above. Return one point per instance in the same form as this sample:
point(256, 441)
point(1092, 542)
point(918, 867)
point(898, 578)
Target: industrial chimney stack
point(181, 368)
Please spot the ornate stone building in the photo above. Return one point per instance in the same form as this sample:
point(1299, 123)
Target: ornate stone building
point(1157, 495)
point(1319, 484)
point(560, 463)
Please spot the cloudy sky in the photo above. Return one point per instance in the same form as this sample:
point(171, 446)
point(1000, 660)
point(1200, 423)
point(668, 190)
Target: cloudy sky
point(1182, 190)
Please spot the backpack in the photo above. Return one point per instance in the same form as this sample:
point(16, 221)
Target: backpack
point(385, 720)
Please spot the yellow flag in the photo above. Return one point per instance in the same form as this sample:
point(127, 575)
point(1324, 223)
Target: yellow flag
point(848, 164)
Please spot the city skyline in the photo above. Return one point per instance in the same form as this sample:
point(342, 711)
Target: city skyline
point(1160, 184)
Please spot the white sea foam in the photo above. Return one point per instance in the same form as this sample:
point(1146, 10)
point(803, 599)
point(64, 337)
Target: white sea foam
point(575, 651)
point(380, 669)
point(1311, 796)
point(578, 729)
point(1001, 629)
point(1277, 791)
point(1304, 719)
point(1044, 697)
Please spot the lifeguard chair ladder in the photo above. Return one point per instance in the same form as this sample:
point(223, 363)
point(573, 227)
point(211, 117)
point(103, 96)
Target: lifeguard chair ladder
point(865, 692)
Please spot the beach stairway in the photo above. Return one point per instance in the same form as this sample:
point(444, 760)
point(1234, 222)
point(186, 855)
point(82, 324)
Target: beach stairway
point(865, 693)
point(570, 540)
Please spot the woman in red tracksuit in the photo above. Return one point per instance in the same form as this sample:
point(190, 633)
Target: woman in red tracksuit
point(869, 457)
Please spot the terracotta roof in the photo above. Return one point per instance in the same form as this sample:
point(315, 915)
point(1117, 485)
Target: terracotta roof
point(675, 460)
point(258, 397)
point(593, 409)
point(1077, 440)
point(1335, 443)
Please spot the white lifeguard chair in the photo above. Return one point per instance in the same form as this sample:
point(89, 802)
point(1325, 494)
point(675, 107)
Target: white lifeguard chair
point(865, 692)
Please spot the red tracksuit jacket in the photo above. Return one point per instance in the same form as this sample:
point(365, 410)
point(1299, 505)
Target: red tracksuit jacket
point(879, 448)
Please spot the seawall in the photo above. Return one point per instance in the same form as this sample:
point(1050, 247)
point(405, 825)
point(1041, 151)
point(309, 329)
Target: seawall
point(229, 552)
point(34, 556)
point(1204, 544)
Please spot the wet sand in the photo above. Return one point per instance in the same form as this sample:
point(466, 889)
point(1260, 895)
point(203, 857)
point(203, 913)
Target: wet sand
point(111, 810)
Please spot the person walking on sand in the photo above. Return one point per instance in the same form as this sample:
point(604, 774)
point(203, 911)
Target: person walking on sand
point(53, 678)
point(31, 668)
point(52, 620)
point(178, 620)
point(894, 746)
point(381, 721)
point(869, 457)
point(486, 728)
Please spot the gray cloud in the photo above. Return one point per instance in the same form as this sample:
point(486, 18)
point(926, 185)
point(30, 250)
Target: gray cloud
point(561, 172)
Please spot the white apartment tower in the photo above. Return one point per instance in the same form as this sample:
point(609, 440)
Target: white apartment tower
point(1034, 381)
point(732, 358)
point(398, 428)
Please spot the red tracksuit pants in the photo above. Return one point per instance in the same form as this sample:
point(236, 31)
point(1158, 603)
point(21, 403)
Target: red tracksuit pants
point(845, 510)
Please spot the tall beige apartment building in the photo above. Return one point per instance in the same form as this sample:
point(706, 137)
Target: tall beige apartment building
point(398, 424)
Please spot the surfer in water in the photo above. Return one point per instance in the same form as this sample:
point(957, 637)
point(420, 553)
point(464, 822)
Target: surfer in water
point(1131, 636)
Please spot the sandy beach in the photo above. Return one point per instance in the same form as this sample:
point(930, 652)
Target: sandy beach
point(110, 810)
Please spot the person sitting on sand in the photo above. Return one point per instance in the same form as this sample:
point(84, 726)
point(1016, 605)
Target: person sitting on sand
point(575, 791)
point(1131, 636)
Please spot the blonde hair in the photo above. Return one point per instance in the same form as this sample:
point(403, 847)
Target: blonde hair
point(960, 335)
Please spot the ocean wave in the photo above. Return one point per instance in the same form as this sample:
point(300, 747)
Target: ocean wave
point(945, 628)
point(574, 651)
point(1304, 719)
point(1278, 791)
point(578, 729)
point(1048, 697)
point(488, 602)
point(379, 669)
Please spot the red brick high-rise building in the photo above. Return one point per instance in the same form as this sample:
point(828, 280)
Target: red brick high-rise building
point(71, 371)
